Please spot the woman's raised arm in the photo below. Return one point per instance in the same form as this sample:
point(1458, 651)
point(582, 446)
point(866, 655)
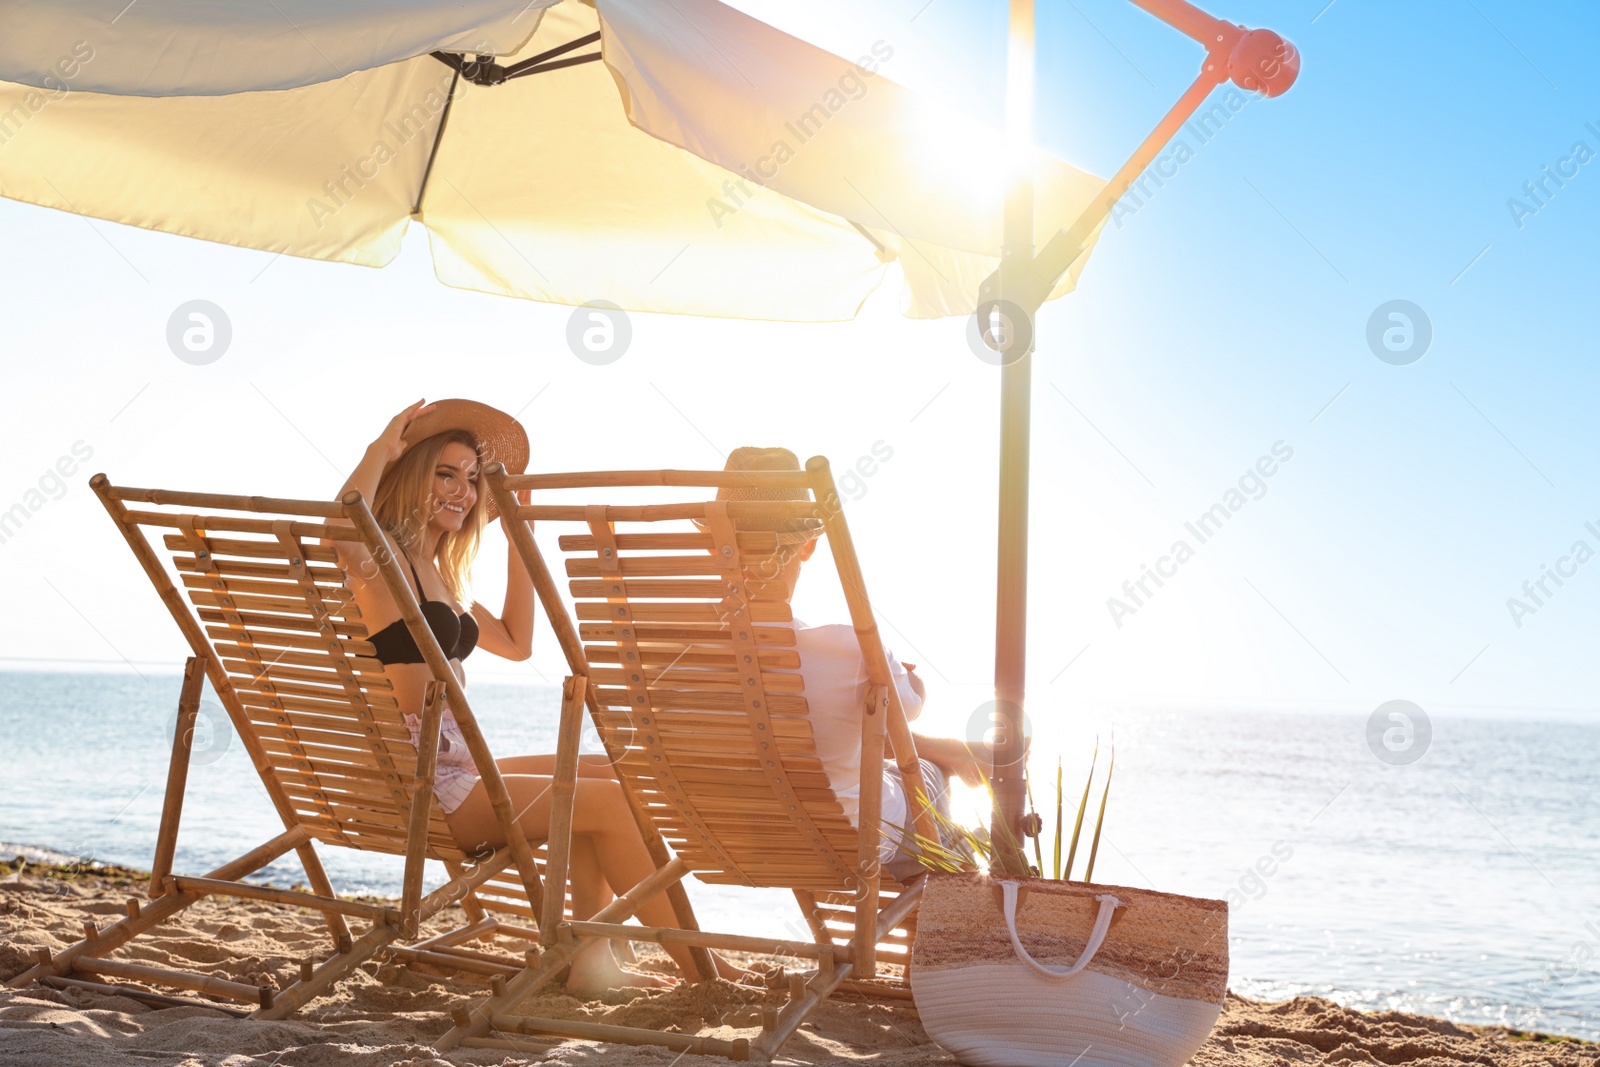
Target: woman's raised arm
point(511, 634)
point(390, 445)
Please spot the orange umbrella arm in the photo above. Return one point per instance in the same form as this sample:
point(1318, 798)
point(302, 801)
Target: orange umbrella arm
point(1187, 19)
point(1258, 60)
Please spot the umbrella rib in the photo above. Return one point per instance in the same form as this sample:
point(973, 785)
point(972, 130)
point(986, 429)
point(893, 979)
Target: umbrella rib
point(879, 245)
point(484, 71)
point(444, 117)
point(558, 64)
point(531, 64)
point(896, 229)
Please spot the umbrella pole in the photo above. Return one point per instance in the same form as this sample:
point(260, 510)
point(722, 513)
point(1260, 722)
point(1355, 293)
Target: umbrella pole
point(1258, 60)
point(1016, 386)
point(1011, 613)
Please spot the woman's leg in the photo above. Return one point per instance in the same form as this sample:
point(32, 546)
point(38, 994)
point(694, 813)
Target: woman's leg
point(590, 891)
point(601, 814)
point(603, 818)
point(590, 765)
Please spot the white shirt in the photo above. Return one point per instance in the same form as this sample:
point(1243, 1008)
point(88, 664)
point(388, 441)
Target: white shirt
point(836, 692)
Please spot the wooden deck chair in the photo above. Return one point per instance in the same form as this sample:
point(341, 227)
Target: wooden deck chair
point(275, 630)
point(689, 667)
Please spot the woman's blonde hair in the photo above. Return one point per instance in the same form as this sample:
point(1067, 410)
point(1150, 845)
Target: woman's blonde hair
point(405, 504)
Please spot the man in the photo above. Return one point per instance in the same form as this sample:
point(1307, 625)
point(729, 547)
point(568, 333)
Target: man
point(836, 682)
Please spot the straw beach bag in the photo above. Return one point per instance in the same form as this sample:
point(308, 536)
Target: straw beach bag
point(1031, 972)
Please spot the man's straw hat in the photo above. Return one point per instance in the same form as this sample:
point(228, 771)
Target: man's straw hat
point(750, 458)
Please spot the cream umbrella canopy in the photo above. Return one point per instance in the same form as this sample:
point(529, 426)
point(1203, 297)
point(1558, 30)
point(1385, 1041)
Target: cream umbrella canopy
point(710, 165)
point(778, 180)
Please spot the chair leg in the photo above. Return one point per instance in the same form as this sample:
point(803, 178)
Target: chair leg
point(677, 896)
point(563, 791)
point(805, 996)
point(507, 995)
point(421, 807)
point(157, 911)
point(469, 903)
point(112, 937)
point(342, 963)
point(317, 878)
point(338, 966)
point(808, 909)
point(803, 1000)
point(194, 675)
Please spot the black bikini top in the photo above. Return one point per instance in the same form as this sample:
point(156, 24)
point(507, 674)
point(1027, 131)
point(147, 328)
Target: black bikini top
point(457, 634)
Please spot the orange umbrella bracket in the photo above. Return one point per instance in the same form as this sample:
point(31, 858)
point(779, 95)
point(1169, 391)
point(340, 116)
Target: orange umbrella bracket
point(1257, 60)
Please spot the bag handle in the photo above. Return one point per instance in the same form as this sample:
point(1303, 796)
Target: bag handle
point(1102, 923)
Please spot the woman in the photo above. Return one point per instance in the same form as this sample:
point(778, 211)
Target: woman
point(421, 479)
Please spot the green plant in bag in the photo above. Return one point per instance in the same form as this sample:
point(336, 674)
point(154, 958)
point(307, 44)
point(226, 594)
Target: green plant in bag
point(960, 848)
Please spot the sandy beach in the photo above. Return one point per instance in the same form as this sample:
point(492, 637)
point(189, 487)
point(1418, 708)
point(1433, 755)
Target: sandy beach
point(387, 1014)
point(421, 415)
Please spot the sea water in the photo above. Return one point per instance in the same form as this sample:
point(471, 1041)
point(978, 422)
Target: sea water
point(1465, 884)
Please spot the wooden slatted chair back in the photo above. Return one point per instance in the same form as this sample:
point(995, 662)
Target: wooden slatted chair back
point(298, 677)
point(254, 584)
point(691, 650)
point(685, 634)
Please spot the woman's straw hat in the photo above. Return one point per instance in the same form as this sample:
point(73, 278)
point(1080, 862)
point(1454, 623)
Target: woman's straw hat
point(501, 438)
point(751, 458)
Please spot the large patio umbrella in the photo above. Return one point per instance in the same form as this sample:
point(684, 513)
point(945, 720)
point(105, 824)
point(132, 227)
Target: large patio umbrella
point(712, 165)
point(675, 156)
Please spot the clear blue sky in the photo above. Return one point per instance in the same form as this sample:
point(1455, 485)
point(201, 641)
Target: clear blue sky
point(1226, 314)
